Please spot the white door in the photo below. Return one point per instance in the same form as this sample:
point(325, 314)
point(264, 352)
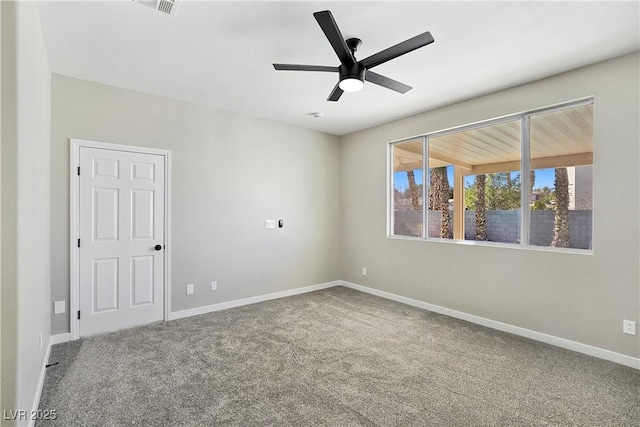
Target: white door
point(121, 252)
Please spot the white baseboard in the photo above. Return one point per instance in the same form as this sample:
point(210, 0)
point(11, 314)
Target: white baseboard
point(60, 338)
point(251, 300)
point(43, 373)
point(516, 330)
point(53, 340)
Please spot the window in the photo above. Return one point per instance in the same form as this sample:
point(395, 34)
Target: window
point(526, 179)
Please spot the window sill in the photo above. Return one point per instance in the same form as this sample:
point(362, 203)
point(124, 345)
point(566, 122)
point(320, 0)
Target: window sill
point(495, 245)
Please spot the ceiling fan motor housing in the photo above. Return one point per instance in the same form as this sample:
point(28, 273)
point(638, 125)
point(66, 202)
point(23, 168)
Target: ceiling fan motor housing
point(355, 71)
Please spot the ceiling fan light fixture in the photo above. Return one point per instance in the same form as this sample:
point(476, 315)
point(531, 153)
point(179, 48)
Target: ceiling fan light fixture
point(351, 84)
point(351, 77)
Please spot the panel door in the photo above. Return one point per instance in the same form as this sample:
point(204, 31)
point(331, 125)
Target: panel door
point(121, 226)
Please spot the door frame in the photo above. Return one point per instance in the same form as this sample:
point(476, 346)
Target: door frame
point(74, 215)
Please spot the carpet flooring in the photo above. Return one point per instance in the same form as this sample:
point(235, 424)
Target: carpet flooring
point(335, 357)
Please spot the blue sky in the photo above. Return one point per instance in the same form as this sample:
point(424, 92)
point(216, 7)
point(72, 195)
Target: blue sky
point(544, 178)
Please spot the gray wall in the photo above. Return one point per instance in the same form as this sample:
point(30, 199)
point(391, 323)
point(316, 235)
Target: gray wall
point(583, 298)
point(26, 269)
point(229, 174)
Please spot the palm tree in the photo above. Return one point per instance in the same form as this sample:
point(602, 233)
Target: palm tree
point(561, 236)
point(413, 191)
point(439, 199)
point(481, 220)
point(533, 183)
point(533, 179)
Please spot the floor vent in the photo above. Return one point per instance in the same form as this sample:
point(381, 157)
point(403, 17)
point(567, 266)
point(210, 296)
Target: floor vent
point(168, 7)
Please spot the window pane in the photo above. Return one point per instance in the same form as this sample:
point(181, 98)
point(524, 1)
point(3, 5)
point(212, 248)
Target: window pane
point(440, 211)
point(407, 188)
point(486, 192)
point(562, 178)
point(501, 206)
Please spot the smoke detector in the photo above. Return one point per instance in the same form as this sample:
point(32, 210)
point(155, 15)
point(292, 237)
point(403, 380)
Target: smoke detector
point(169, 7)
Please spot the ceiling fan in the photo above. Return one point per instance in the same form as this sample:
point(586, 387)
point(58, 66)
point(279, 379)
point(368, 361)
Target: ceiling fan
point(353, 73)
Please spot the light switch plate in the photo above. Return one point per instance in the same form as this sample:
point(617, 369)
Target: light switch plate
point(59, 307)
point(269, 223)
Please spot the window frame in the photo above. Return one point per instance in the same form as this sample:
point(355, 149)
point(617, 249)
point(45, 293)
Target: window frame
point(525, 179)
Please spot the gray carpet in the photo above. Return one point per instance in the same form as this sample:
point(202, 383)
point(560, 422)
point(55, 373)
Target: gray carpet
point(336, 357)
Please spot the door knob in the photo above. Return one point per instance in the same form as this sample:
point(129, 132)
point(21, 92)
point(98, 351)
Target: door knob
point(157, 247)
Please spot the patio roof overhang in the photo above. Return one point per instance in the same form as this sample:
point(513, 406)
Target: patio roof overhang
point(559, 139)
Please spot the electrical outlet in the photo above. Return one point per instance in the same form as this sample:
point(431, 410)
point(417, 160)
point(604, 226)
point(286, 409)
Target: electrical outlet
point(364, 271)
point(190, 289)
point(59, 307)
point(629, 327)
point(214, 285)
point(269, 223)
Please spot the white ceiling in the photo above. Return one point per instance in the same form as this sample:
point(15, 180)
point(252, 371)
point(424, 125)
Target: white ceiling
point(219, 54)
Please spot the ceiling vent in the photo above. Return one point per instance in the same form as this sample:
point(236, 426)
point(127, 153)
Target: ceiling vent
point(169, 7)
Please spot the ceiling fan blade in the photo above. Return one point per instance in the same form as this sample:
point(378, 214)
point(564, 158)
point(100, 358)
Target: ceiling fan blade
point(331, 30)
point(297, 67)
point(383, 81)
point(398, 50)
point(336, 93)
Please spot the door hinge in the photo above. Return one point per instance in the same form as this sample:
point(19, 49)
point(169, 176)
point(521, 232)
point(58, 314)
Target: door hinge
point(78, 170)
point(78, 242)
point(78, 314)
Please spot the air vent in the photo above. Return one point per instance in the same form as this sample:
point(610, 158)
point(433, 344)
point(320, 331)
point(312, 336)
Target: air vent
point(168, 7)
